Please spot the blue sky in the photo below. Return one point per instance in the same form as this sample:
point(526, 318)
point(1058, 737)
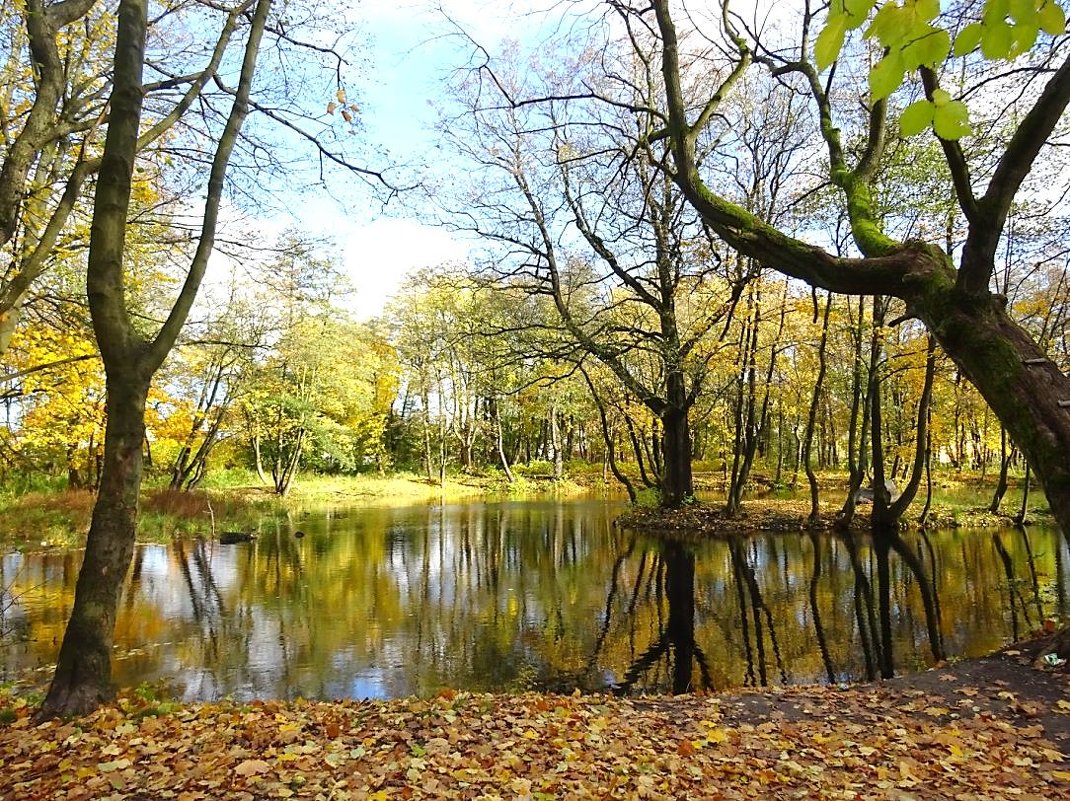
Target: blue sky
point(412, 54)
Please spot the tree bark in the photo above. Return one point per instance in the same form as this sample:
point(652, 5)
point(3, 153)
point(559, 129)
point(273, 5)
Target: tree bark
point(1004, 467)
point(815, 400)
point(83, 670)
point(499, 440)
point(1028, 392)
point(607, 436)
point(677, 485)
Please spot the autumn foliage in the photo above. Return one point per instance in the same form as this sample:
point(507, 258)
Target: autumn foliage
point(870, 742)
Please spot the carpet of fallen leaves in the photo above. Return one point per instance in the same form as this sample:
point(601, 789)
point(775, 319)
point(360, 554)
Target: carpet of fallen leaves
point(872, 741)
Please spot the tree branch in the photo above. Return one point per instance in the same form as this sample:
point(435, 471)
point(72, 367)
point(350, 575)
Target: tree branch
point(979, 251)
point(168, 333)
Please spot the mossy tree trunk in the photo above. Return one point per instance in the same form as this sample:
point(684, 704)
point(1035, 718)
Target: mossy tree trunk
point(1028, 393)
point(83, 671)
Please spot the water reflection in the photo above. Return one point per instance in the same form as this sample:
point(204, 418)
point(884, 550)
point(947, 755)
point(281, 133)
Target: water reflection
point(537, 595)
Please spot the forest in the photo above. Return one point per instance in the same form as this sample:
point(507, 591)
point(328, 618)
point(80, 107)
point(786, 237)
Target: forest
point(714, 250)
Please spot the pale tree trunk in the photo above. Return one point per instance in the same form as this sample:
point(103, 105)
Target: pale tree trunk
point(499, 438)
point(556, 446)
point(258, 459)
point(815, 400)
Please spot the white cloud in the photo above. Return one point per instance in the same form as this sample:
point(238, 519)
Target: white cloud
point(380, 254)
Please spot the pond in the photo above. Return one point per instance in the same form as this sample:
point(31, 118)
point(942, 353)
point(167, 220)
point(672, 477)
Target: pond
point(531, 595)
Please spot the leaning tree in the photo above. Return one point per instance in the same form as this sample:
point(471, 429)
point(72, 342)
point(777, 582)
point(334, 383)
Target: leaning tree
point(949, 290)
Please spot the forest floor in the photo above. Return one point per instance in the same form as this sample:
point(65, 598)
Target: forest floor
point(990, 728)
point(792, 515)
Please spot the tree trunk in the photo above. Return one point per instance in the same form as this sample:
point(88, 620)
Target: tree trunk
point(83, 670)
point(428, 458)
point(1023, 510)
point(1028, 393)
point(499, 437)
point(258, 459)
point(555, 444)
point(808, 439)
point(1004, 466)
point(677, 485)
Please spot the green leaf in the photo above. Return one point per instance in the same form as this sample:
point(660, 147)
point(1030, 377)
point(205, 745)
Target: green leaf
point(952, 120)
point(1023, 10)
point(857, 11)
point(941, 97)
point(916, 118)
point(928, 50)
point(886, 76)
point(996, 39)
point(1024, 36)
point(830, 42)
point(968, 39)
point(885, 24)
point(996, 9)
point(928, 9)
point(1052, 18)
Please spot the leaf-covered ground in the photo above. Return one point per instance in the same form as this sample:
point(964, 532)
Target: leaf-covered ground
point(987, 729)
point(793, 515)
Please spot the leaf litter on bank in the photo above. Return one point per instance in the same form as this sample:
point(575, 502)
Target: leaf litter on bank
point(871, 741)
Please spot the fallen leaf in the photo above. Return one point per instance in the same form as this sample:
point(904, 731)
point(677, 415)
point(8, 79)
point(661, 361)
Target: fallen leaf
point(252, 767)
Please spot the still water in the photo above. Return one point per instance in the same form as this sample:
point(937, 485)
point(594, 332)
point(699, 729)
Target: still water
point(531, 595)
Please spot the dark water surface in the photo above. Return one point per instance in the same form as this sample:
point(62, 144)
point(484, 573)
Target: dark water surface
point(532, 595)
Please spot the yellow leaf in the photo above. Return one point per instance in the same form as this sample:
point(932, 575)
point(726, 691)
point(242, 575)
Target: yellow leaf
point(716, 735)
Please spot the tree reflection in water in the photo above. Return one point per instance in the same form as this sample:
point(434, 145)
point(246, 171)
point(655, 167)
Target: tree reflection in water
point(387, 602)
point(676, 643)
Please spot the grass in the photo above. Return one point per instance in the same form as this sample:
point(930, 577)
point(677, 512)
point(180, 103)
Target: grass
point(48, 516)
point(405, 488)
point(45, 519)
point(36, 512)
